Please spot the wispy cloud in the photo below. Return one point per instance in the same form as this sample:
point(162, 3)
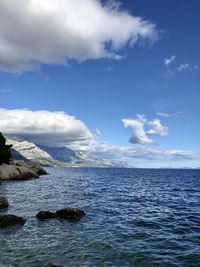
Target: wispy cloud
point(98, 132)
point(109, 69)
point(141, 156)
point(4, 91)
point(183, 66)
point(61, 30)
point(169, 61)
point(170, 115)
point(140, 135)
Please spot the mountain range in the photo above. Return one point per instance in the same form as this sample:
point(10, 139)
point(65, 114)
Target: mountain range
point(58, 156)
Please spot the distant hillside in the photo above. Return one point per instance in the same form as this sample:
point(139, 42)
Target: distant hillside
point(58, 156)
point(62, 154)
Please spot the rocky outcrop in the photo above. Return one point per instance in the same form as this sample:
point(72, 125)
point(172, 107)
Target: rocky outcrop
point(34, 166)
point(3, 203)
point(12, 172)
point(69, 214)
point(10, 220)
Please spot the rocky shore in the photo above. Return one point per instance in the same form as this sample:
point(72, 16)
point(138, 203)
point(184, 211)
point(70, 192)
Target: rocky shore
point(16, 170)
point(20, 170)
point(11, 169)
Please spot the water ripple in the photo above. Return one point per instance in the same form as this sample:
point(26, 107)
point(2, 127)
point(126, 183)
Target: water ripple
point(138, 218)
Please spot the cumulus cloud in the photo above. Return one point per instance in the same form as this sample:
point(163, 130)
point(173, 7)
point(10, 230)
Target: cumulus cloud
point(169, 61)
point(38, 32)
point(157, 128)
point(43, 127)
point(140, 135)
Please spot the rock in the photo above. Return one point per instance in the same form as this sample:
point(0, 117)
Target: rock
point(70, 214)
point(34, 166)
point(3, 203)
point(11, 172)
point(10, 220)
point(56, 265)
point(45, 215)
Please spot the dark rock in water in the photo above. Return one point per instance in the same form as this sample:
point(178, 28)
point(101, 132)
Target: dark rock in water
point(45, 215)
point(70, 214)
point(11, 220)
point(3, 203)
point(56, 265)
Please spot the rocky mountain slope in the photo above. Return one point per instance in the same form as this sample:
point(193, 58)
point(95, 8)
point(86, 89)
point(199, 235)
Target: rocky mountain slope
point(59, 156)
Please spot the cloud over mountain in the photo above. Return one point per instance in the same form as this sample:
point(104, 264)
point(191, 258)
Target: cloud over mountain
point(38, 32)
point(43, 127)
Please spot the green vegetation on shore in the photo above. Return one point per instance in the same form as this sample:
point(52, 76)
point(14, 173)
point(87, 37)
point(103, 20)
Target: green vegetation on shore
point(5, 151)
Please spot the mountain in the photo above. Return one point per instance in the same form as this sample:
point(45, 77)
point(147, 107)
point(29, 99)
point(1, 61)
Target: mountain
point(78, 158)
point(16, 155)
point(31, 152)
point(58, 156)
point(62, 154)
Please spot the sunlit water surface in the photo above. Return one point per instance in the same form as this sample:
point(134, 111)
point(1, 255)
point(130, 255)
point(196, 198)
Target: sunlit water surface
point(134, 218)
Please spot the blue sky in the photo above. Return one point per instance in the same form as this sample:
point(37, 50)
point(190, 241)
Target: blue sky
point(157, 77)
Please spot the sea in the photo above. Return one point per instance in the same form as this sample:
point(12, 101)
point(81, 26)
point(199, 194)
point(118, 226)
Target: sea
point(135, 217)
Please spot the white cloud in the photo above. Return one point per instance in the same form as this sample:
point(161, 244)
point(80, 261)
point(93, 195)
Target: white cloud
point(141, 156)
point(168, 61)
point(183, 66)
point(139, 134)
point(58, 128)
point(44, 127)
point(38, 32)
point(170, 115)
point(157, 128)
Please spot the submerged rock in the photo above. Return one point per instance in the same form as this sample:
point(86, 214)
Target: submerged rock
point(10, 220)
point(70, 214)
point(45, 215)
point(11, 172)
point(3, 203)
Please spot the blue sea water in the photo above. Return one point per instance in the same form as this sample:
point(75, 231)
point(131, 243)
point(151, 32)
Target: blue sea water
point(135, 217)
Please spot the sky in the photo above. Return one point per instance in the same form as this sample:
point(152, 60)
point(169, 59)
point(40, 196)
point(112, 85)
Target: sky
point(118, 79)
